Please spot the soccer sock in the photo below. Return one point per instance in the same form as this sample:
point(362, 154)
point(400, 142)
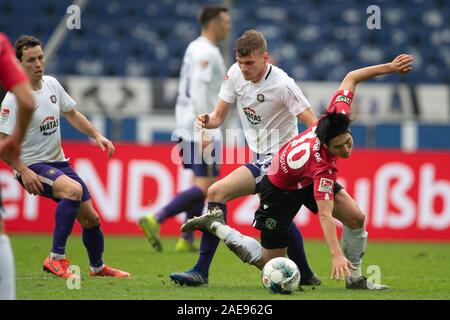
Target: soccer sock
point(194, 212)
point(7, 276)
point(246, 248)
point(94, 242)
point(65, 216)
point(354, 244)
point(209, 242)
point(296, 251)
point(183, 201)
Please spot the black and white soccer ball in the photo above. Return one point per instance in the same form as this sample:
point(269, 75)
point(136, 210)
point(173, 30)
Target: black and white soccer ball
point(281, 275)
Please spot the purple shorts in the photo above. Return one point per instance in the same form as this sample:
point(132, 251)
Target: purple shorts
point(51, 171)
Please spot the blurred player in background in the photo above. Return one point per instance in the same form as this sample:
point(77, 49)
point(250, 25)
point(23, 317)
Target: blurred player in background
point(270, 104)
point(201, 76)
point(304, 172)
point(15, 80)
point(43, 168)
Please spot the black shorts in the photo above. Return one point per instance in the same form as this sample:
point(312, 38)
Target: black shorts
point(278, 208)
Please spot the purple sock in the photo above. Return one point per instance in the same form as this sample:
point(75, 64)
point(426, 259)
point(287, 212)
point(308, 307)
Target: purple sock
point(183, 201)
point(94, 243)
point(296, 251)
point(194, 212)
point(209, 243)
point(65, 215)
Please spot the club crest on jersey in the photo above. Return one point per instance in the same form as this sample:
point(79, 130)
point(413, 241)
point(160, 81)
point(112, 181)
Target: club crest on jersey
point(251, 115)
point(53, 98)
point(260, 97)
point(49, 125)
point(271, 223)
point(325, 185)
point(4, 113)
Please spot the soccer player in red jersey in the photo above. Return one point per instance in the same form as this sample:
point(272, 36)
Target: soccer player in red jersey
point(14, 79)
point(303, 172)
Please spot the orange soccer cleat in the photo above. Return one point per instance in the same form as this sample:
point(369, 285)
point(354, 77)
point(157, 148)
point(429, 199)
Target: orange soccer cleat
point(107, 271)
point(58, 267)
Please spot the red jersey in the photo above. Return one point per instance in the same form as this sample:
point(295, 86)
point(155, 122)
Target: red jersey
point(10, 71)
point(303, 160)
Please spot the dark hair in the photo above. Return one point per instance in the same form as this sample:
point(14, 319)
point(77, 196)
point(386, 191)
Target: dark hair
point(209, 13)
point(251, 41)
point(331, 125)
point(25, 42)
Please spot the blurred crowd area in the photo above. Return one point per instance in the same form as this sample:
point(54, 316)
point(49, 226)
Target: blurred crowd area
point(123, 63)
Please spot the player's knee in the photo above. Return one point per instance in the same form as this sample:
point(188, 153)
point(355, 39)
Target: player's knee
point(357, 219)
point(88, 219)
point(73, 192)
point(2, 228)
point(216, 193)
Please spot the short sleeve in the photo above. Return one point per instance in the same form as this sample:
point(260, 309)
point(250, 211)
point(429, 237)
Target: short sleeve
point(8, 112)
point(66, 103)
point(227, 91)
point(324, 181)
point(341, 102)
point(294, 99)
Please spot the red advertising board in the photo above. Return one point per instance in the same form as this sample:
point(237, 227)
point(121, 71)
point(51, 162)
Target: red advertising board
point(404, 195)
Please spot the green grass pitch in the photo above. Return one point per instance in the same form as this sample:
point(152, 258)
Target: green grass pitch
point(413, 270)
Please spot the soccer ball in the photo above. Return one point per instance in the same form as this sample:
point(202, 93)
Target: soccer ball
point(281, 275)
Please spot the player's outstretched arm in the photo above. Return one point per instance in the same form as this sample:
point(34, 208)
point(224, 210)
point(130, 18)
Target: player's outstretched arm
point(82, 124)
point(401, 64)
point(214, 119)
point(340, 265)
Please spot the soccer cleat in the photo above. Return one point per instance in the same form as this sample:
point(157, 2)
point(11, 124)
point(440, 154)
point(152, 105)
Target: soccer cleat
point(363, 284)
point(107, 271)
point(314, 280)
point(191, 278)
point(150, 226)
point(184, 246)
point(204, 222)
point(58, 267)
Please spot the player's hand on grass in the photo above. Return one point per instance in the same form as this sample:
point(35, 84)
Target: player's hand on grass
point(104, 143)
point(201, 121)
point(341, 267)
point(31, 182)
point(402, 63)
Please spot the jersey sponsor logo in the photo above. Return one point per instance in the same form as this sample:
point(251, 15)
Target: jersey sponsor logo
point(260, 97)
point(4, 113)
point(251, 115)
point(49, 125)
point(325, 185)
point(53, 98)
point(344, 99)
point(271, 223)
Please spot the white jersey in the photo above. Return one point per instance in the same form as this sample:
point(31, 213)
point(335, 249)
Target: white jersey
point(268, 109)
point(42, 142)
point(200, 79)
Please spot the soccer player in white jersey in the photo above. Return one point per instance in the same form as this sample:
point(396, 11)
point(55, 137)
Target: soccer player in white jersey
point(269, 104)
point(12, 78)
point(201, 76)
point(43, 168)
